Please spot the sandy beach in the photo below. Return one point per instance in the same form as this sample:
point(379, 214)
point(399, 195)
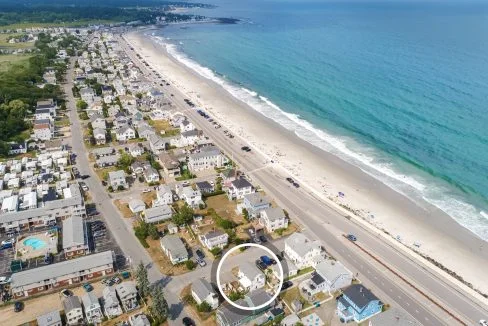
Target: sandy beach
point(419, 226)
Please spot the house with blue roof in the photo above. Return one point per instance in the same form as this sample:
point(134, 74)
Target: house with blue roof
point(357, 303)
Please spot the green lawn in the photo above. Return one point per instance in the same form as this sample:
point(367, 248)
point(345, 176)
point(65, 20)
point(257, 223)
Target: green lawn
point(9, 60)
point(5, 44)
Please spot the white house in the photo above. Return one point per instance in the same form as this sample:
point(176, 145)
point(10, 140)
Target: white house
point(209, 157)
point(329, 276)
point(192, 197)
point(99, 135)
point(202, 291)
point(43, 131)
point(73, 310)
point(214, 239)
point(111, 305)
point(164, 196)
point(117, 179)
point(239, 188)
point(125, 133)
point(186, 125)
point(250, 277)
point(174, 248)
point(273, 218)
point(97, 121)
point(158, 213)
point(135, 150)
point(127, 293)
point(52, 318)
point(139, 319)
point(151, 175)
point(302, 251)
point(137, 206)
point(93, 310)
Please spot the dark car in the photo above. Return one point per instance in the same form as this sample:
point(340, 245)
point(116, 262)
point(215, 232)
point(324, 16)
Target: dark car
point(286, 285)
point(188, 322)
point(244, 148)
point(351, 237)
point(263, 238)
point(18, 306)
point(296, 185)
point(200, 254)
point(290, 180)
point(259, 264)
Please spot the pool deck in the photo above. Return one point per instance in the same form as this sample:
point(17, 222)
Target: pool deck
point(25, 252)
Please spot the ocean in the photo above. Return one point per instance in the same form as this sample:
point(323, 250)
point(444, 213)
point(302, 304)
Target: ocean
point(397, 88)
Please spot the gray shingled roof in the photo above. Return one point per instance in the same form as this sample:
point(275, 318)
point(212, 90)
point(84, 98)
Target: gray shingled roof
point(359, 294)
point(202, 288)
point(49, 318)
point(174, 244)
point(66, 267)
point(300, 243)
point(274, 213)
point(250, 270)
point(241, 183)
point(71, 303)
point(232, 315)
point(73, 232)
point(394, 317)
point(331, 269)
point(257, 198)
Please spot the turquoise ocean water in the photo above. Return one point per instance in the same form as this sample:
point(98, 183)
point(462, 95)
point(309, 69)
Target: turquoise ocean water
point(399, 89)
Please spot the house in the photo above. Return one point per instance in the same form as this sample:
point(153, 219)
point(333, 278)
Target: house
point(393, 317)
point(75, 239)
point(117, 180)
point(87, 94)
point(73, 311)
point(172, 228)
point(127, 293)
point(227, 315)
point(125, 133)
point(209, 157)
point(170, 164)
point(158, 214)
point(43, 131)
point(205, 187)
point(312, 319)
point(202, 291)
point(187, 138)
point(136, 150)
point(329, 276)
point(106, 161)
point(174, 248)
point(95, 108)
point(164, 196)
point(151, 175)
point(52, 318)
point(228, 176)
point(104, 151)
point(139, 319)
point(138, 166)
point(186, 125)
point(214, 239)
point(98, 121)
point(289, 269)
point(110, 302)
point(273, 218)
point(99, 136)
point(290, 320)
point(137, 206)
point(254, 203)
point(302, 251)
point(92, 308)
point(157, 144)
point(59, 275)
point(357, 303)
point(239, 188)
point(16, 148)
point(145, 131)
point(250, 277)
point(192, 198)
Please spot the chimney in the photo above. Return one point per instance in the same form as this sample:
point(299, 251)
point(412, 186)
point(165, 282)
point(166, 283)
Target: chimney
point(360, 289)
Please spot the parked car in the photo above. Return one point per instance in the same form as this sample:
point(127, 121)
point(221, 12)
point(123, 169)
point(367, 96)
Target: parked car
point(286, 285)
point(351, 237)
point(4, 280)
point(296, 185)
point(200, 253)
point(483, 322)
point(98, 234)
point(88, 287)
point(290, 180)
point(83, 186)
point(262, 266)
point(187, 321)
point(66, 293)
point(268, 261)
point(201, 262)
point(263, 238)
point(146, 190)
point(18, 306)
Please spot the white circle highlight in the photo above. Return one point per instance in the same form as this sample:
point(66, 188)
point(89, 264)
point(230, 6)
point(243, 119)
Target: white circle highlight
point(272, 254)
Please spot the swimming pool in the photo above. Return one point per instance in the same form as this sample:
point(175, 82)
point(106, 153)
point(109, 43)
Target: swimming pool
point(35, 243)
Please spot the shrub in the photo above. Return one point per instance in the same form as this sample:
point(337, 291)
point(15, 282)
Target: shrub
point(204, 307)
point(190, 265)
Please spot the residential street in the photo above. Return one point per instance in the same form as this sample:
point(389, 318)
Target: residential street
point(328, 224)
point(122, 231)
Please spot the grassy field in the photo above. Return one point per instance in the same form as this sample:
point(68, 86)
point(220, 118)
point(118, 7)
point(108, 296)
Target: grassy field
point(68, 24)
point(5, 44)
point(9, 60)
point(164, 125)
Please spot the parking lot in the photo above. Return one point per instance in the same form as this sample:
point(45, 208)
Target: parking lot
point(99, 243)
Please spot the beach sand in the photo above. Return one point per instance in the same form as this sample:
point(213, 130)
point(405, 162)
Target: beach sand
point(438, 235)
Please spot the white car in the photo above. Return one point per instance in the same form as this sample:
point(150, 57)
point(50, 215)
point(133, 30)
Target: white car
point(9, 241)
point(4, 280)
point(146, 190)
point(483, 322)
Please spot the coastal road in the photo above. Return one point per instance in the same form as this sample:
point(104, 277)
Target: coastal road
point(327, 224)
point(121, 231)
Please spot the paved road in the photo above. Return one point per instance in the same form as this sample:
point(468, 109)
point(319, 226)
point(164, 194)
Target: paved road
point(327, 224)
point(122, 231)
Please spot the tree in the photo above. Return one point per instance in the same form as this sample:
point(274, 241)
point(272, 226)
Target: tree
point(184, 216)
point(190, 265)
point(159, 306)
point(204, 307)
point(81, 105)
point(125, 161)
point(153, 232)
point(142, 280)
point(245, 213)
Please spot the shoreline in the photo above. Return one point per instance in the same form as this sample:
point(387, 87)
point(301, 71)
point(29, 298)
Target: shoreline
point(318, 169)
